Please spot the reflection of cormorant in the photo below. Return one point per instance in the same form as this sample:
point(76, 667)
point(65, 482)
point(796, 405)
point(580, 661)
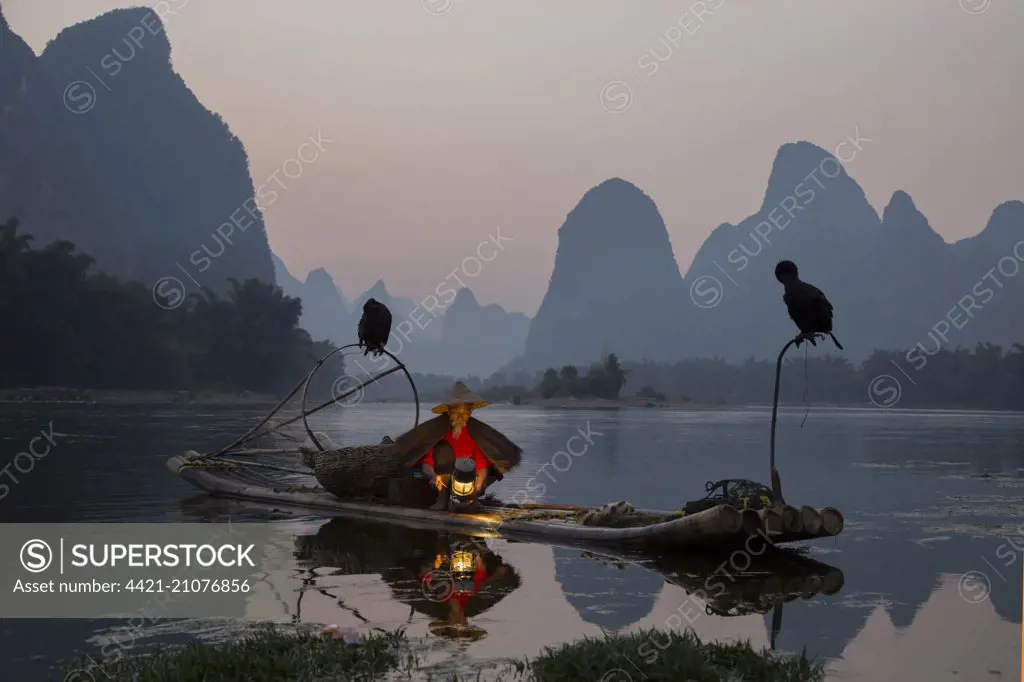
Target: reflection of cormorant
point(374, 327)
point(449, 578)
point(734, 585)
point(807, 305)
point(771, 579)
point(612, 597)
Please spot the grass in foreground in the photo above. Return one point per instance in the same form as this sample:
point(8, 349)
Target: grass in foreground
point(654, 655)
point(265, 656)
point(274, 656)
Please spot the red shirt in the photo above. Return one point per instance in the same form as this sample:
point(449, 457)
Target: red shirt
point(464, 447)
point(480, 576)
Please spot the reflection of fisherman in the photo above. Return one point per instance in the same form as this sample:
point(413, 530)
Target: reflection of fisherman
point(466, 578)
point(454, 435)
point(456, 579)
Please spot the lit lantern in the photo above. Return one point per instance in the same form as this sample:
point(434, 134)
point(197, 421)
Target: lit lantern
point(464, 478)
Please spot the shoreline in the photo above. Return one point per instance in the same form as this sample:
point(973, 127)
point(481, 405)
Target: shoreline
point(117, 396)
point(184, 398)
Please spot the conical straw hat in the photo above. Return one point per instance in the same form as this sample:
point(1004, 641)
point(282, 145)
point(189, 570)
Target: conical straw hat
point(459, 394)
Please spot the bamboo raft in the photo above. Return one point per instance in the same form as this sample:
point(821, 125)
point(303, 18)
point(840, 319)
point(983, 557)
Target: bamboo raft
point(720, 526)
point(351, 481)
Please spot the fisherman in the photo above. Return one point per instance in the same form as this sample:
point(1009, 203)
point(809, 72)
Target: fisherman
point(435, 445)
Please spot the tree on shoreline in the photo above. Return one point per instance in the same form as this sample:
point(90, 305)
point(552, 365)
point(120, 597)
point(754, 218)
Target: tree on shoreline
point(66, 326)
point(603, 380)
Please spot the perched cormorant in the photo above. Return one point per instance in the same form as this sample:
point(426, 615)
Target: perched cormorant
point(374, 327)
point(807, 305)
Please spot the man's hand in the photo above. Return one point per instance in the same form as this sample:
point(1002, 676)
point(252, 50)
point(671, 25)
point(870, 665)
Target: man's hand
point(428, 471)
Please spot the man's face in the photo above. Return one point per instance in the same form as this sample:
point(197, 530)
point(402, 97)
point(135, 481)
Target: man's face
point(459, 415)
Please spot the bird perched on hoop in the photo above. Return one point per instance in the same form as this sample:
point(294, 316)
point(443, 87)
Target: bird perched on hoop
point(807, 305)
point(374, 327)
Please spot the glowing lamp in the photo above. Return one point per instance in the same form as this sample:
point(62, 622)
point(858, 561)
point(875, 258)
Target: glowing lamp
point(464, 478)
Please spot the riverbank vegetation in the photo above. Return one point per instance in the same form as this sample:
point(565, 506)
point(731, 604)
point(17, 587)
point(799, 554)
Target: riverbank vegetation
point(279, 656)
point(987, 377)
point(68, 326)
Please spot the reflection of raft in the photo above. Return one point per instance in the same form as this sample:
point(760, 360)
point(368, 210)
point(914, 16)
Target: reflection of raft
point(719, 526)
point(739, 585)
point(721, 583)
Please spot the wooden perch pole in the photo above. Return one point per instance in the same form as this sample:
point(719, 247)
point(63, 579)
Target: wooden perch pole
point(776, 482)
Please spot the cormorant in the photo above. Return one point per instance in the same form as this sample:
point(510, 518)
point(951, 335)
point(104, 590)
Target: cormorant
point(807, 305)
point(374, 327)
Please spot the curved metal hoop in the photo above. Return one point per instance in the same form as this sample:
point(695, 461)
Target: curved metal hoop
point(373, 379)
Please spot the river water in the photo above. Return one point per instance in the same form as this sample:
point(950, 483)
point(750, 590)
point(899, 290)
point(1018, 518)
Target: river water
point(924, 584)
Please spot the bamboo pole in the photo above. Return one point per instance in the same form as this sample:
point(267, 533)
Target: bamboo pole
point(776, 481)
point(247, 452)
point(245, 437)
point(264, 466)
point(252, 434)
point(373, 379)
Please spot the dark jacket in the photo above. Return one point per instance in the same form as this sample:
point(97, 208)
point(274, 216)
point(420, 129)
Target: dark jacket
point(413, 445)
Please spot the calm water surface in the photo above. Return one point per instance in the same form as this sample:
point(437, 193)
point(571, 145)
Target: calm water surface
point(928, 497)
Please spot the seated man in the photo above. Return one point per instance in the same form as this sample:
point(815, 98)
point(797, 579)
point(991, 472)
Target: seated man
point(435, 445)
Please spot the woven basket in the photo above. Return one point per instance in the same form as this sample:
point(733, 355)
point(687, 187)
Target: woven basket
point(355, 471)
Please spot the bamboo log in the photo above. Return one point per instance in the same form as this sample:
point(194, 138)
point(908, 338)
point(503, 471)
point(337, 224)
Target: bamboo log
point(812, 520)
point(812, 586)
point(546, 507)
point(772, 520)
point(752, 522)
point(791, 520)
point(832, 520)
point(832, 582)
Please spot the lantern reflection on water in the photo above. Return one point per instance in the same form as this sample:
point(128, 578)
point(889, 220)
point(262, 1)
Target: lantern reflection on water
point(462, 561)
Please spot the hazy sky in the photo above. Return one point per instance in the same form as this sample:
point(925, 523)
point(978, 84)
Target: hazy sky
point(489, 114)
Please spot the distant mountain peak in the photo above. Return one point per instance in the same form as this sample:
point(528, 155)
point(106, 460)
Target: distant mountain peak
point(113, 40)
point(617, 183)
point(803, 168)
point(320, 278)
point(902, 217)
point(614, 261)
point(901, 200)
point(1006, 222)
point(802, 162)
point(379, 290)
point(613, 189)
point(465, 297)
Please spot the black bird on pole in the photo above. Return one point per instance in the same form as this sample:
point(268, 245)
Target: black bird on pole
point(374, 327)
point(807, 305)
